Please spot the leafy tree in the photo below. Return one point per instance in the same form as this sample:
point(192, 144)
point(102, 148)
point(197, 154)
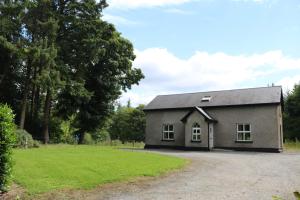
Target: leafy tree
point(68, 130)
point(128, 124)
point(138, 124)
point(7, 140)
point(99, 64)
point(61, 59)
point(11, 52)
point(292, 114)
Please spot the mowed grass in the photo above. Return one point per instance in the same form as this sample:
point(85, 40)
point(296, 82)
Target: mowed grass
point(292, 146)
point(84, 167)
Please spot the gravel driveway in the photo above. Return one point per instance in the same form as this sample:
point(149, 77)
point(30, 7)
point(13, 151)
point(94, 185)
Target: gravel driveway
point(220, 175)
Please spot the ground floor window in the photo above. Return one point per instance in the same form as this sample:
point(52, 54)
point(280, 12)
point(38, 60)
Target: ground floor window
point(168, 132)
point(196, 132)
point(243, 132)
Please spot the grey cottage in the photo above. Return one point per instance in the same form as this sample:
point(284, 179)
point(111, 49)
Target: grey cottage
point(242, 119)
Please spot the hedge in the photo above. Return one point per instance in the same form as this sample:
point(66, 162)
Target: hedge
point(7, 140)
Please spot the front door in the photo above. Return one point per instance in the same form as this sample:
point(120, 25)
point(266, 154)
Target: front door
point(211, 135)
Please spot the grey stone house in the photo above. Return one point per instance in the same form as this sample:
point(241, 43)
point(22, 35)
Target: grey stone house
point(242, 119)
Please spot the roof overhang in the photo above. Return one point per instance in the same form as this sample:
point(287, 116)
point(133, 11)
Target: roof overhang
point(206, 116)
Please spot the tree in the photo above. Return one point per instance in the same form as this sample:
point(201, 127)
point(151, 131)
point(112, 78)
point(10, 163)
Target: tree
point(61, 59)
point(99, 61)
point(292, 114)
point(12, 70)
point(128, 124)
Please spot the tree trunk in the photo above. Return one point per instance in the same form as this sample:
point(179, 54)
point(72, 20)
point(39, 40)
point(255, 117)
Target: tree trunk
point(81, 137)
point(24, 99)
point(46, 117)
point(33, 93)
point(37, 103)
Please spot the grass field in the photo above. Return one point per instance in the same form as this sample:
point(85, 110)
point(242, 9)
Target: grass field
point(85, 167)
point(292, 146)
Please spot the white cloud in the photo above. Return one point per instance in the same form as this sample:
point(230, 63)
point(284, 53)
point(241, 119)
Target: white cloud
point(165, 73)
point(125, 4)
point(289, 82)
point(118, 20)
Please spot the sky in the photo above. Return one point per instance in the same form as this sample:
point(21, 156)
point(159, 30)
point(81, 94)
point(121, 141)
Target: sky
point(203, 45)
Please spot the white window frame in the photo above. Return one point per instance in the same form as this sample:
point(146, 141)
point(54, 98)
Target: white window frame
point(243, 132)
point(168, 131)
point(194, 132)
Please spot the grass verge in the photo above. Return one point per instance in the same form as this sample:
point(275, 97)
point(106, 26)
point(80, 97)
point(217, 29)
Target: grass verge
point(84, 167)
point(292, 146)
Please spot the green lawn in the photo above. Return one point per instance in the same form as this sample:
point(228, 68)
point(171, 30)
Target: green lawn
point(292, 146)
point(69, 167)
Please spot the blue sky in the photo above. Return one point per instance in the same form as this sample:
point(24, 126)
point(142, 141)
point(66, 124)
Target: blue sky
point(199, 45)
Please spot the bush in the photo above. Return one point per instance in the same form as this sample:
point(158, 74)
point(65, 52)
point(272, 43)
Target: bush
point(24, 139)
point(7, 140)
point(68, 131)
point(87, 139)
point(101, 135)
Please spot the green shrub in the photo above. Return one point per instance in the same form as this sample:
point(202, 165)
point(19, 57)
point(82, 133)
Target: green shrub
point(36, 144)
point(102, 135)
point(7, 140)
point(87, 139)
point(68, 131)
point(24, 139)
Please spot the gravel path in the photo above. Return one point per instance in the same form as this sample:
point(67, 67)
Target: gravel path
point(219, 175)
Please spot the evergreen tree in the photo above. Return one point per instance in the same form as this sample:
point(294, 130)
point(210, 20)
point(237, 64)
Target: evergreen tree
point(292, 114)
point(61, 59)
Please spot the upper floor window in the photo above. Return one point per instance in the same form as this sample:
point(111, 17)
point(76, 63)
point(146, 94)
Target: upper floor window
point(243, 132)
point(206, 99)
point(196, 132)
point(168, 132)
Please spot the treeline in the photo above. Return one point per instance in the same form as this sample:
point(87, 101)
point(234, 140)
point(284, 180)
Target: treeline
point(291, 115)
point(125, 123)
point(62, 64)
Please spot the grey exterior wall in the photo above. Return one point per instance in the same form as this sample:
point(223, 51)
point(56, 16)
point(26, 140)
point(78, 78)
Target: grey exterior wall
point(154, 126)
point(265, 120)
point(280, 126)
point(196, 117)
point(264, 125)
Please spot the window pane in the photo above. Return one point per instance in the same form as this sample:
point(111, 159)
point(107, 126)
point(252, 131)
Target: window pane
point(247, 136)
point(165, 135)
point(247, 127)
point(194, 137)
point(240, 136)
point(171, 136)
point(170, 127)
point(198, 131)
point(198, 137)
point(240, 127)
point(165, 127)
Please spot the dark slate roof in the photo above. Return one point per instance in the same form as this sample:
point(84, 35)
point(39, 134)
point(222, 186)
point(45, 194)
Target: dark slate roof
point(202, 112)
point(249, 96)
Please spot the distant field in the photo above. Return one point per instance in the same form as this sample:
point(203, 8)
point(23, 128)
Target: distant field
point(292, 146)
point(70, 167)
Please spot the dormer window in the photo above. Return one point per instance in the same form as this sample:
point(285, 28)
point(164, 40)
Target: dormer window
point(206, 99)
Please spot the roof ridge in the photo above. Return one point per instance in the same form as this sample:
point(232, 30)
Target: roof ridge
point(221, 90)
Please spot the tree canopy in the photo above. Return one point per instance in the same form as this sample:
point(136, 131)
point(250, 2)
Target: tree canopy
point(60, 59)
point(292, 114)
point(128, 124)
